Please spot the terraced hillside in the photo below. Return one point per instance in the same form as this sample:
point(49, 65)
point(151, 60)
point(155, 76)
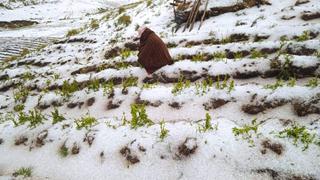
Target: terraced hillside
point(241, 100)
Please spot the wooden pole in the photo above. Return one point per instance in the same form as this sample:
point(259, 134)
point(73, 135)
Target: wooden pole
point(190, 16)
point(195, 15)
point(204, 14)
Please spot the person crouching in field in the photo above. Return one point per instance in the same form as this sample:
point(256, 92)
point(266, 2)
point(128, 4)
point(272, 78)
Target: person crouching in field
point(153, 53)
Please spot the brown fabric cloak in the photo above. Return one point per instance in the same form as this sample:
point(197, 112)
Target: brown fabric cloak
point(153, 53)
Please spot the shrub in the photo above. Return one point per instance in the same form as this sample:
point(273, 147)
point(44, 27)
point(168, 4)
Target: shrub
point(139, 116)
point(86, 122)
point(25, 172)
point(124, 20)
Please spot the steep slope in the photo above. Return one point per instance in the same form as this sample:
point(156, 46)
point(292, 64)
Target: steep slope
point(240, 102)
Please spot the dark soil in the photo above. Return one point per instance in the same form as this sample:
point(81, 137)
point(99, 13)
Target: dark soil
point(274, 147)
point(214, 104)
point(126, 152)
point(186, 151)
point(310, 16)
point(21, 140)
point(75, 149)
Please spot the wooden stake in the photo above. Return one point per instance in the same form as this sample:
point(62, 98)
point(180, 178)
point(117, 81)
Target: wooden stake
point(190, 16)
point(195, 15)
point(204, 14)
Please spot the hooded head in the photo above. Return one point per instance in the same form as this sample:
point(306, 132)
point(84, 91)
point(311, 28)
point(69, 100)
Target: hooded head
point(141, 30)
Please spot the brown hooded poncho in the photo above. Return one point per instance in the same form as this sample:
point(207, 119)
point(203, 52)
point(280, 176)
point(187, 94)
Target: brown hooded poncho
point(153, 53)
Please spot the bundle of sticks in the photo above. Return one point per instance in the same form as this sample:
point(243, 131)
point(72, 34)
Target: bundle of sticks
point(193, 13)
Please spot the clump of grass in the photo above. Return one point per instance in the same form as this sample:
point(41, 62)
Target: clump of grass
point(73, 32)
point(25, 172)
point(149, 2)
point(286, 69)
point(86, 122)
point(299, 134)
point(139, 116)
point(163, 131)
point(220, 55)
point(94, 85)
point(24, 52)
point(224, 84)
point(21, 94)
point(129, 82)
point(304, 36)
point(124, 20)
point(63, 150)
point(121, 10)
point(238, 55)
point(68, 88)
point(292, 82)
point(27, 76)
point(149, 85)
point(284, 38)
point(207, 126)
point(317, 54)
point(247, 131)
point(280, 83)
point(256, 54)
point(180, 85)
point(108, 88)
point(225, 40)
point(313, 82)
point(34, 118)
point(198, 57)
point(204, 86)
point(94, 24)
point(125, 53)
point(276, 85)
point(18, 107)
point(56, 116)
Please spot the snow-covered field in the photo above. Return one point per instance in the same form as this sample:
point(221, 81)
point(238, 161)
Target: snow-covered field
point(241, 101)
